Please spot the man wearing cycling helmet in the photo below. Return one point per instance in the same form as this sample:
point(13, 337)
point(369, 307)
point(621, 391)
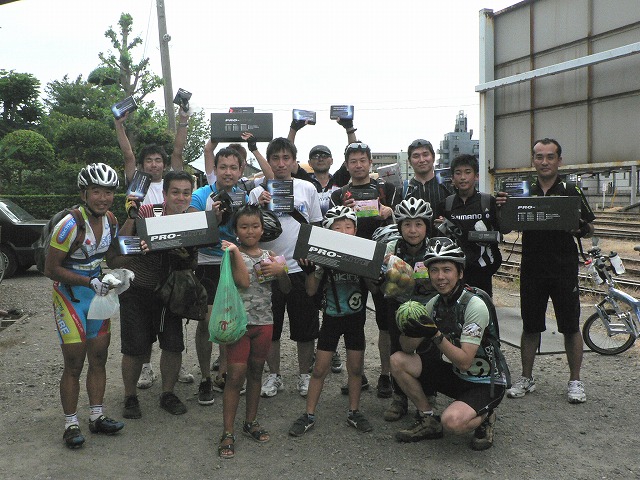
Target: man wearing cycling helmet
point(455, 324)
point(77, 280)
point(360, 191)
point(414, 220)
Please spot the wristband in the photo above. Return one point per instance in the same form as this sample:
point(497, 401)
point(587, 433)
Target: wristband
point(351, 130)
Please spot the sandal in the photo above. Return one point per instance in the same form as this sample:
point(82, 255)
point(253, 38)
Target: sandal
point(227, 451)
point(255, 431)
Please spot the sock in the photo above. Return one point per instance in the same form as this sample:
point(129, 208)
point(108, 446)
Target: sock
point(312, 417)
point(94, 412)
point(351, 413)
point(71, 420)
point(428, 413)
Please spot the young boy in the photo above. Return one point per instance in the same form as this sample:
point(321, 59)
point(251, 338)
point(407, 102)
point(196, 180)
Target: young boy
point(343, 314)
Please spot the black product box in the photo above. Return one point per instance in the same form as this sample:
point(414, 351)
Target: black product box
point(540, 213)
point(281, 204)
point(181, 230)
point(129, 245)
point(280, 188)
point(307, 115)
point(139, 185)
point(182, 99)
point(483, 237)
point(518, 188)
point(240, 109)
point(238, 199)
point(344, 112)
point(339, 251)
point(124, 106)
point(363, 193)
point(227, 127)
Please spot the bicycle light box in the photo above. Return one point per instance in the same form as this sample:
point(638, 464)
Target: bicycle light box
point(339, 251)
point(182, 230)
point(540, 213)
point(227, 127)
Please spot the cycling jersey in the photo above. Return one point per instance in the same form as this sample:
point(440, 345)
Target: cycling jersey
point(343, 293)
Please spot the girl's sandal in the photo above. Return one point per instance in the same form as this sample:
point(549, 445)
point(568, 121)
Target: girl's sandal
point(255, 431)
point(228, 450)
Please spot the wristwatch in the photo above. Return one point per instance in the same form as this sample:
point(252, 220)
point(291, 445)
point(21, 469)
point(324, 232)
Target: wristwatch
point(437, 339)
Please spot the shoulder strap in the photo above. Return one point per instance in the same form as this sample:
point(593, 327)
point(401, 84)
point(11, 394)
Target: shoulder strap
point(82, 230)
point(485, 201)
point(448, 204)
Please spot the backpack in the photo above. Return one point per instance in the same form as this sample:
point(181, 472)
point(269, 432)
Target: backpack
point(41, 246)
point(490, 341)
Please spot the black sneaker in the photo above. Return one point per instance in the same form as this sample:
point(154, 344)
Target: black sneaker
point(205, 392)
point(104, 424)
point(358, 421)
point(384, 386)
point(172, 404)
point(131, 407)
point(365, 386)
point(483, 436)
point(73, 437)
point(301, 426)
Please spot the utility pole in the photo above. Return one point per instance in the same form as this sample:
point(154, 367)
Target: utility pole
point(165, 38)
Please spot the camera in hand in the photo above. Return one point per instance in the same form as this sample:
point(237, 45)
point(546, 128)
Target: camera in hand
point(124, 106)
point(182, 99)
point(344, 112)
point(307, 115)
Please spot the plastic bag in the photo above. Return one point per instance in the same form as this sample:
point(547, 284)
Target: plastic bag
point(399, 279)
point(228, 321)
point(106, 306)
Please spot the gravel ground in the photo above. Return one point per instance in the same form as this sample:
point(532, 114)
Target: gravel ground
point(539, 436)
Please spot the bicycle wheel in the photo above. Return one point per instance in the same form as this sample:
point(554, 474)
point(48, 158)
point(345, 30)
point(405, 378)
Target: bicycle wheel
point(597, 337)
point(3, 266)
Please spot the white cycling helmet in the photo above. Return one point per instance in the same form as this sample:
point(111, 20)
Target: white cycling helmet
point(336, 213)
point(413, 208)
point(441, 249)
point(386, 234)
point(97, 174)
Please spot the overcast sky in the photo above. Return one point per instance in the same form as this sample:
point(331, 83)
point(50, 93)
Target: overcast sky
point(407, 66)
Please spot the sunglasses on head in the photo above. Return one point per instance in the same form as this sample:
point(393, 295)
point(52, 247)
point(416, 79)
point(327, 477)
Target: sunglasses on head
point(357, 146)
point(316, 156)
point(420, 143)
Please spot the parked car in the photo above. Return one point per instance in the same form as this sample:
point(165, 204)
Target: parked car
point(18, 230)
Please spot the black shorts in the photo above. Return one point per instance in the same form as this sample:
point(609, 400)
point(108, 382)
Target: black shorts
point(351, 326)
point(565, 295)
point(302, 311)
point(143, 319)
point(438, 376)
point(209, 276)
point(382, 319)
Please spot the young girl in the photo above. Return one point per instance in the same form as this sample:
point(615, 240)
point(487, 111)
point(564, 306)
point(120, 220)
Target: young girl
point(246, 357)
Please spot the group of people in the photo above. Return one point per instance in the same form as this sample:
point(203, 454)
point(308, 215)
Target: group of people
point(409, 221)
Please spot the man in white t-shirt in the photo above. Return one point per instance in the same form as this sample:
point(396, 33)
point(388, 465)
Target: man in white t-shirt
point(301, 309)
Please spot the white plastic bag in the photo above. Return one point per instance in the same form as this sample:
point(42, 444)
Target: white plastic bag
point(108, 305)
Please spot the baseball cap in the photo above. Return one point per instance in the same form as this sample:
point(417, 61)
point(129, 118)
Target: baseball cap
point(320, 149)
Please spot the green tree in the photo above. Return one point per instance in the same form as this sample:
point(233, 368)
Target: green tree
point(81, 99)
point(84, 141)
point(31, 152)
point(21, 108)
point(199, 131)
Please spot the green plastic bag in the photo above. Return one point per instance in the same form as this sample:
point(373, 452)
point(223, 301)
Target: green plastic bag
point(228, 321)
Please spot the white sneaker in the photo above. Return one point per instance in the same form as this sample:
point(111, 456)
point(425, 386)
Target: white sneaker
point(272, 385)
point(303, 384)
point(520, 388)
point(575, 392)
point(147, 377)
point(336, 363)
point(184, 376)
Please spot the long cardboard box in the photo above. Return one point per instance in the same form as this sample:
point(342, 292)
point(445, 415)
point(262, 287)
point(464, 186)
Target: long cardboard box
point(182, 230)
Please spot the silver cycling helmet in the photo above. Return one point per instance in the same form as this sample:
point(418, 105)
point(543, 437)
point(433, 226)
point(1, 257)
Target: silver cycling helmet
point(441, 249)
point(336, 213)
point(386, 234)
point(97, 174)
point(413, 208)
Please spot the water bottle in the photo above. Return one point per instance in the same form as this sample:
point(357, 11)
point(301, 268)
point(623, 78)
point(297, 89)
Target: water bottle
point(616, 263)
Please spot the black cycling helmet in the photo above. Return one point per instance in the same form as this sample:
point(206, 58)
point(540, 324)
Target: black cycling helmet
point(443, 249)
point(413, 208)
point(271, 226)
point(97, 174)
point(386, 234)
point(338, 212)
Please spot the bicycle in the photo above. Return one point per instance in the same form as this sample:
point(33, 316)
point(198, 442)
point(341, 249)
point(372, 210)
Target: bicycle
point(615, 325)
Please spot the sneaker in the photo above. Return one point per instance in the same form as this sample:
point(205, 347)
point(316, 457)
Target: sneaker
point(73, 437)
point(425, 427)
point(272, 385)
point(218, 383)
point(303, 384)
point(483, 436)
point(172, 404)
point(147, 377)
point(384, 388)
point(336, 363)
point(398, 408)
point(205, 392)
point(365, 386)
point(131, 407)
point(520, 388)
point(575, 392)
point(301, 426)
point(184, 376)
point(104, 424)
point(358, 421)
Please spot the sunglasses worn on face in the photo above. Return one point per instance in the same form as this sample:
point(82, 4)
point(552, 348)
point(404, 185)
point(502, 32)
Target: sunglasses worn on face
point(317, 156)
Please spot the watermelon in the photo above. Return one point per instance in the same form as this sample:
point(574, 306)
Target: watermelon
point(409, 310)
